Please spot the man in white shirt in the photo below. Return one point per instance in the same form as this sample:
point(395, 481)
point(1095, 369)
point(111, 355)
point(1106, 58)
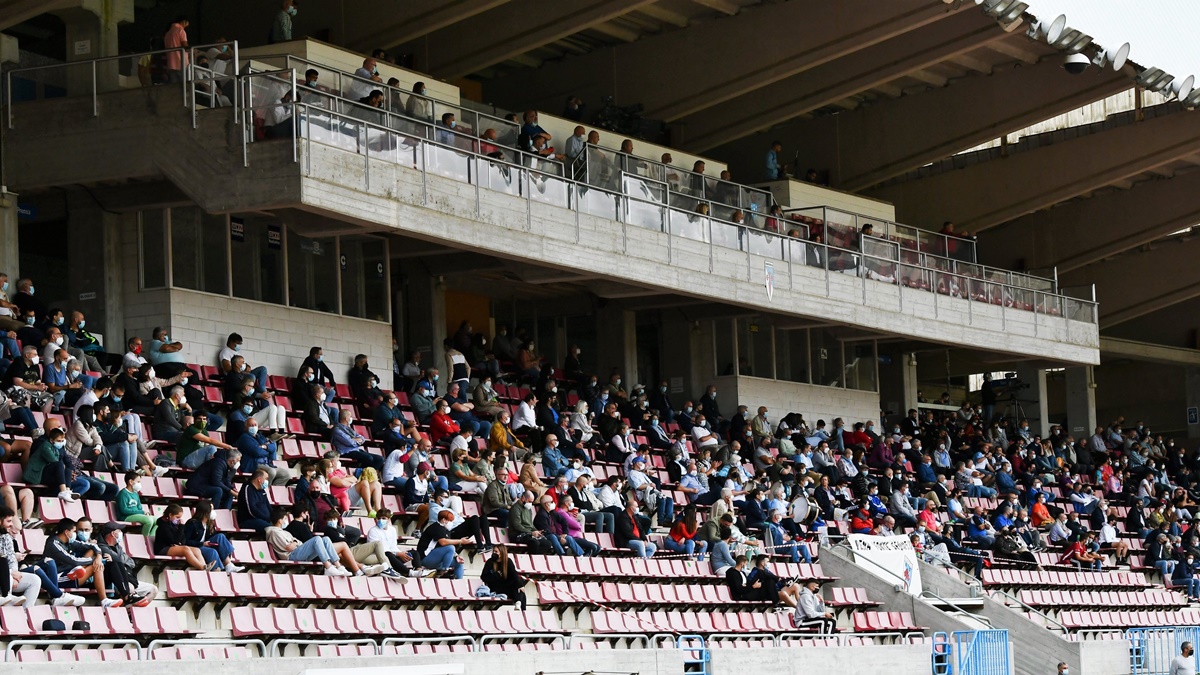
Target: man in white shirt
point(133, 358)
point(811, 611)
point(525, 416)
point(385, 534)
point(1183, 664)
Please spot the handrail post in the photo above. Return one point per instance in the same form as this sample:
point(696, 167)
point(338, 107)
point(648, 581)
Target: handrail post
point(95, 86)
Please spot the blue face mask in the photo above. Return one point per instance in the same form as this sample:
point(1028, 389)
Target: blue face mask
point(58, 321)
point(184, 381)
point(59, 445)
point(653, 423)
point(435, 378)
point(247, 409)
point(4, 287)
point(82, 323)
point(83, 536)
point(320, 358)
point(116, 399)
point(292, 11)
point(237, 348)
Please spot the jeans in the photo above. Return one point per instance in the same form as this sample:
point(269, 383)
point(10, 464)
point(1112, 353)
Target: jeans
point(10, 347)
point(644, 549)
point(124, 453)
point(25, 417)
point(1191, 585)
point(94, 488)
point(398, 482)
point(666, 510)
point(47, 571)
point(1166, 567)
point(198, 456)
point(317, 548)
point(605, 522)
point(796, 550)
point(981, 491)
point(220, 498)
point(365, 459)
point(222, 551)
point(442, 558)
point(576, 546)
point(260, 378)
point(689, 547)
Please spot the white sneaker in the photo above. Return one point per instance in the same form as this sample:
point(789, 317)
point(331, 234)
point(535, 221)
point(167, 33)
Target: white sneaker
point(160, 471)
point(359, 573)
point(67, 600)
point(421, 572)
point(336, 572)
point(67, 496)
point(234, 569)
point(375, 570)
point(6, 600)
point(112, 602)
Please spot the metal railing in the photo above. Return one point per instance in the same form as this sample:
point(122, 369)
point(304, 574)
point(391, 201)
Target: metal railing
point(1151, 650)
point(913, 238)
point(981, 652)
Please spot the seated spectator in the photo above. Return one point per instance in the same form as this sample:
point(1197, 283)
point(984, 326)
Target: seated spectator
point(194, 447)
point(682, 537)
point(287, 547)
point(388, 410)
point(361, 381)
point(169, 416)
point(462, 475)
point(529, 477)
point(260, 452)
point(129, 506)
point(811, 610)
point(233, 345)
point(84, 561)
point(213, 480)
point(300, 527)
point(460, 525)
point(350, 444)
point(317, 417)
point(80, 338)
point(745, 588)
point(45, 466)
point(28, 580)
point(721, 560)
point(649, 494)
point(260, 406)
point(631, 533)
point(24, 386)
point(528, 364)
point(200, 532)
point(382, 538)
point(253, 507)
point(502, 437)
point(437, 546)
point(169, 539)
point(166, 356)
point(543, 520)
point(522, 529)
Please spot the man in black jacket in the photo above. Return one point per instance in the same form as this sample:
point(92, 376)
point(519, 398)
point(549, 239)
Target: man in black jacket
point(631, 533)
point(316, 361)
point(214, 479)
point(109, 537)
point(741, 588)
point(253, 509)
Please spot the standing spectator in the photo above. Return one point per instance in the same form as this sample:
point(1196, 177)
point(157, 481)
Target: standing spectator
point(233, 345)
point(281, 29)
point(775, 170)
point(176, 40)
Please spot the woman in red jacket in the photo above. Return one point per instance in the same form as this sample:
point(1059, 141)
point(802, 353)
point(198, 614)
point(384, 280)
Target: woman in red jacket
point(441, 425)
point(860, 519)
point(682, 537)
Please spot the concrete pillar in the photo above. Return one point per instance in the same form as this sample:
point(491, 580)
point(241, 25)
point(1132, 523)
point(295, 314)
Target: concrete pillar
point(10, 252)
point(1191, 386)
point(1081, 401)
point(427, 312)
point(1033, 400)
point(93, 240)
point(616, 332)
point(91, 33)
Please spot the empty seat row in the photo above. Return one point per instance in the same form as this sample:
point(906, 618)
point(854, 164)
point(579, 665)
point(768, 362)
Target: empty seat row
point(876, 622)
point(32, 655)
point(1084, 599)
point(845, 596)
point(215, 586)
point(646, 621)
point(1084, 619)
point(612, 593)
point(638, 568)
point(27, 621)
point(1047, 579)
point(372, 622)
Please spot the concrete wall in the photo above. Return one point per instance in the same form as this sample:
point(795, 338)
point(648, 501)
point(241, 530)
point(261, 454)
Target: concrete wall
point(795, 194)
point(813, 401)
point(549, 235)
point(864, 660)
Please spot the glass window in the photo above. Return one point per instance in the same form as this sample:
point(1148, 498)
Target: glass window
point(257, 245)
point(154, 249)
point(791, 355)
point(756, 354)
point(312, 272)
point(723, 334)
point(826, 353)
point(199, 251)
point(860, 365)
point(364, 278)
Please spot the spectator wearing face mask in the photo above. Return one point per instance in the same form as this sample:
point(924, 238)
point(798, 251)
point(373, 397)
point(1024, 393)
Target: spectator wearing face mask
point(129, 506)
point(418, 106)
point(259, 451)
point(213, 480)
point(281, 28)
point(169, 539)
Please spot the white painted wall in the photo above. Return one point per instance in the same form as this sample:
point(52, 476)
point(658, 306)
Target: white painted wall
point(813, 401)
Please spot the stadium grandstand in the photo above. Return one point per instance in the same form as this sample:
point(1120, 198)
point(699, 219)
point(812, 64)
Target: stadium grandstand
point(594, 336)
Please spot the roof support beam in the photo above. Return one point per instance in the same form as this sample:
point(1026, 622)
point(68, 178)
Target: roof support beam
point(824, 85)
point(416, 18)
point(998, 190)
point(1134, 285)
point(13, 12)
point(1085, 231)
point(508, 31)
point(709, 63)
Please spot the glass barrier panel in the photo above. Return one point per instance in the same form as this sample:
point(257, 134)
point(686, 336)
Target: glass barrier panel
point(603, 170)
point(795, 251)
point(860, 365)
point(688, 225)
point(727, 235)
point(500, 177)
point(729, 214)
point(212, 89)
point(960, 249)
point(763, 243)
point(1049, 304)
point(916, 277)
point(930, 242)
point(644, 214)
point(321, 127)
point(644, 189)
point(448, 163)
point(880, 258)
point(549, 189)
point(600, 203)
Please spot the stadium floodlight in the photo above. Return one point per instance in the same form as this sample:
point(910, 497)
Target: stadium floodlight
point(1182, 88)
point(1116, 57)
point(1050, 32)
point(1193, 100)
point(1154, 79)
point(1079, 44)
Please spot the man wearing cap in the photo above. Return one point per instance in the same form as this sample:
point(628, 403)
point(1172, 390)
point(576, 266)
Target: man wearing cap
point(811, 611)
point(111, 536)
point(253, 508)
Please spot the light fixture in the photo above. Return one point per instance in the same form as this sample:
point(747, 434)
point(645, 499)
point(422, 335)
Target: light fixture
point(1152, 77)
point(1079, 44)
point(1193, 100)
point(1116, 57)
point(1050, 32)
point(1004, 11)
point(1182, 88)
